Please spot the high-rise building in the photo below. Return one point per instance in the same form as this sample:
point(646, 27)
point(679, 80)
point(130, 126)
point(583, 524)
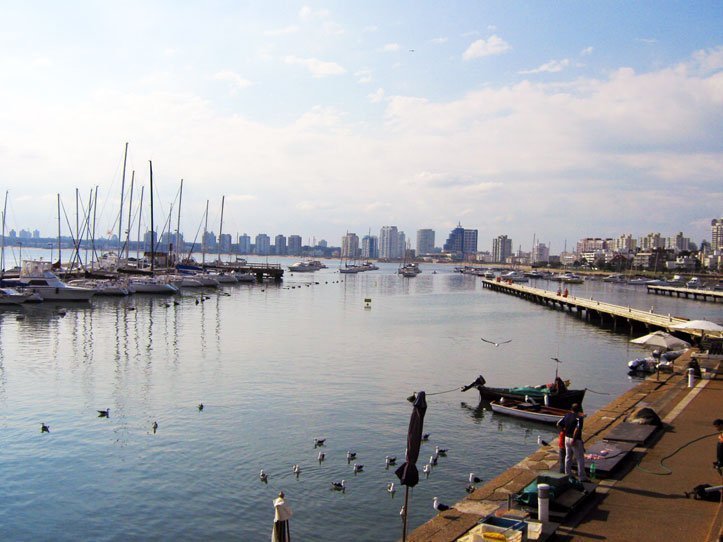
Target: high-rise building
point(540, 253)
point(678, 243)
point(209, 241)
point(148, 238)
point(263, 244)
point(625, 244)
point(461, 241)
point(225, 240)
point(425, 241)
point(370, 247)
point(244, 244)
point(651, 242)
point(389, 246)
point(350, 246)
point(716, 237)
point(280, 245)
point(294, 246)
point(501, 248)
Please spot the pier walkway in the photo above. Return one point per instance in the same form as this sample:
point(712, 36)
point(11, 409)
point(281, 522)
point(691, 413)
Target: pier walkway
point(704, 295)
point(645, 498)
point(590, 309)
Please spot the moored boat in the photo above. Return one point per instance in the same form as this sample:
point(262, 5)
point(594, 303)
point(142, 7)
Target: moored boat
point(556, 394)
point(306, 266)
point(36, 277)
point(528, 411)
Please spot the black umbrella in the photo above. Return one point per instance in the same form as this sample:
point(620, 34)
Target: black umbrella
point(408, 474)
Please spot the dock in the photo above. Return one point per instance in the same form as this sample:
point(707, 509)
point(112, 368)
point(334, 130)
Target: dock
point(644, 498)
point(688, 293)
point(619, 317)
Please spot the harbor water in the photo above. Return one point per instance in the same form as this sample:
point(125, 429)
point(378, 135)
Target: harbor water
point(275, 367)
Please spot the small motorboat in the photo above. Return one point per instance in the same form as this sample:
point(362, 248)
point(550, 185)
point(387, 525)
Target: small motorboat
point(558, 394)
point(528, 410)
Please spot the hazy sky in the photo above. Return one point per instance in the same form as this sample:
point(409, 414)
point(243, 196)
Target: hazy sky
point(559, 119)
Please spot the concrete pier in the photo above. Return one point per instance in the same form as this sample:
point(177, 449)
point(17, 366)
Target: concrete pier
point(688, 293)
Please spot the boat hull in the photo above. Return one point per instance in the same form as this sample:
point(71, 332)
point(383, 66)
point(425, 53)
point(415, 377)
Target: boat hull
point(528, 411)
point(564, 399)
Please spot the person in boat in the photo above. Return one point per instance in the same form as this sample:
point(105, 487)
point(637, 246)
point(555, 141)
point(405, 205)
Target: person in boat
point(572, 423)
point(557, 387)
point(478, 383)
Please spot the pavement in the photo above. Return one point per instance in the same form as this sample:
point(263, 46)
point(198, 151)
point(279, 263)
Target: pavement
point(645, 498)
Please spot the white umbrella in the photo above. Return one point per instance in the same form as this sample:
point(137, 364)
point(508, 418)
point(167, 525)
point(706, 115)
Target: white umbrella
point(661, 339)
point(698, 325)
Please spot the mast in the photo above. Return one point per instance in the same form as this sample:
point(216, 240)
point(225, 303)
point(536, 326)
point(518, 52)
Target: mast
point(95, 206)
point(153, 254)
point(130, 208)
point(120, 214)
point(178, 222)
point(220, 229)
point(203, 242)
point(60, 260)
point(2, 251)
point(138, 242)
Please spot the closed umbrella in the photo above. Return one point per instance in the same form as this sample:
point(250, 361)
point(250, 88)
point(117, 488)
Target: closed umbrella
point(661, 339)
point(407, 473)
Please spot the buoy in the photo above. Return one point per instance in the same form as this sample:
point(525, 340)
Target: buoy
point(367, 302)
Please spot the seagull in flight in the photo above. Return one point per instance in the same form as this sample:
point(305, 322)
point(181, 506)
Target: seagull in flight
point(439, 506)
point(496, 344)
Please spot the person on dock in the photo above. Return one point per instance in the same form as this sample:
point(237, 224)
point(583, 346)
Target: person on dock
point(572, 424)
point(718, 423)
point(561, 450)
point(282, 510)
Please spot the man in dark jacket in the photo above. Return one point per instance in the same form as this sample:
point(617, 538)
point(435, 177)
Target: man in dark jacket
point(572, 424)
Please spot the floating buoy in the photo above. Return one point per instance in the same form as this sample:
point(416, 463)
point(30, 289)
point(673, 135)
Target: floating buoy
point(367, 302)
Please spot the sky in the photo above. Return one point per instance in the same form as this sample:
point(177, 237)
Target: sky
point(553, 120)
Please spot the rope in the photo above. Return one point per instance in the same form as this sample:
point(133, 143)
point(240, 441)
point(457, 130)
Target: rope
point(413, 397)
point(598, 392)
point(669, 470)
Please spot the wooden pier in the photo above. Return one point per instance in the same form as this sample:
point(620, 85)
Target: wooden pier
point(263, 271)
point(605, 314)
point(704, 295)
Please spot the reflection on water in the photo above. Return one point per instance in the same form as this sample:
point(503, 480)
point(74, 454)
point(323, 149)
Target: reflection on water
point(275, 366)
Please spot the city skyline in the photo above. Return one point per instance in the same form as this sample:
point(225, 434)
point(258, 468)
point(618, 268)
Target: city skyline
point(560, 120)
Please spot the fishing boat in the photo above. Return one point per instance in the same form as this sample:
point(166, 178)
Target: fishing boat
point(528, 410)
point(556, 395)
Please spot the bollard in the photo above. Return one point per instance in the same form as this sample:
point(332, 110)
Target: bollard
point(691, 377)
point(547, 399)
point(543, 502)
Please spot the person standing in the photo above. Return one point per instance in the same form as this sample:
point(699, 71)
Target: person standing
point(572, 424)
point(282, 514)
point(718, 423)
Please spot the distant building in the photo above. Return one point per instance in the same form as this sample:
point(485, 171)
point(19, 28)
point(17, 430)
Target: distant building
point(150, 240)
point(225, 240)
point(25, 234)
point(625, 244)
point(36, 234)
point(540, 254)
point(208, 241)
point(461, 241)
point(350, 246)
point(651, 242)
point(678, 243)
point(593, 244)
point(501, 248)
point(425, 241)
point(244, 244)
point(322, 244)
point(389, 243)
point(716, 237)
point(280, 245)
point(293, 247)
point(263, 244)
point(370, 247)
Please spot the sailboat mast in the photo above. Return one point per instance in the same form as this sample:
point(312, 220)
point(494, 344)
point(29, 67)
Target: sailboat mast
point(220, 230)
point(95, 206)
point(178, 222)
point(120, 214)
point(130, 209)
point(138, 242)
point(60, 260)
point(153, 254)
point(203, 243)
point(2, 251)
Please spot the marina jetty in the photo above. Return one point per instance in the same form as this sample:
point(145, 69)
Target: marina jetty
point(647, 496)
point(616, 316)
point(688, 293)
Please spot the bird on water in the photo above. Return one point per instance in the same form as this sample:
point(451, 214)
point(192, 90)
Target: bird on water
point(319, 442)
point(425, 436)
point(350, 455)
point(440, 451)
point(321, 457)
point(104, 413)
point(338, 486)
point(200, 407)
point(494, 343)
point(44, 428)
point(155, 427)
point(391, 489)
point(263, 476)
point(358, 467)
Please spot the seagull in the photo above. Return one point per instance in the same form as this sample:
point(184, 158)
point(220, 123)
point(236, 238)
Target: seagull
point(338, 486)
point(104, 413)
point(358, 467)
point(541, 442)
point(319, 442)
point(425, 436)
point(322, 456)
point(427, 469)
point(263, 476)
point(297, 469)
point(470, 488)
point(440, 451)
point(402, 511)
point(391, 489)
point(439, 506)
point(155, 427)
point(44, 428)
point(200, 407)
point(473, 479)
point(62, 311)
point(390, 460)
point(496, 344)
point(350, 456)
point(433, 459)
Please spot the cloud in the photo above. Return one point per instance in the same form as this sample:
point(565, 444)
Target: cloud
point(364, 76)
point(318, 68)
point(438, 41)
point(390, 48)
point(586, 51)
point(553, 66)
point(235, 79)
point(494, 45)
point(291, 29)
point(377, 96)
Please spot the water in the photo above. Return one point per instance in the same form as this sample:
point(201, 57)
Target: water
point(275, 367)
